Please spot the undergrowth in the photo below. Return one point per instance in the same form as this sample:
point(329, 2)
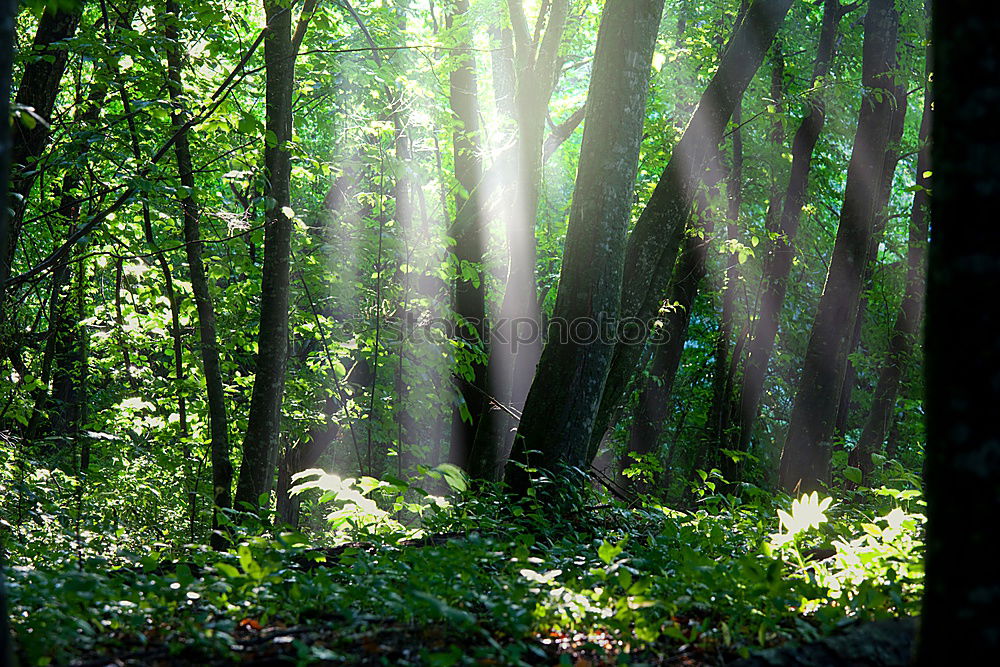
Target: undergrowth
point(399, 576)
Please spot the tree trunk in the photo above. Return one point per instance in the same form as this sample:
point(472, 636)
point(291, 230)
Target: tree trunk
point(780, 252)
point(722, 380)
point(963, 350)
point(559, 414)
point(264, 420)
point(654, 398)
point(222, 469)
point(39, 87)
point(516, 335)
point(653, 244)
point(905, 329)
point(470, 245)
point(805, 459)
point(8, 12)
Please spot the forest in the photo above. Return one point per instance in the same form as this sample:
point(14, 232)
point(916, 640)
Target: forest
point(499, 332)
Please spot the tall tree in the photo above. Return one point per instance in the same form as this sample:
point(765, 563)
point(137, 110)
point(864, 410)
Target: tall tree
point(653, 244)
point(8, 10)
point(559, 413)
point(805, 459)
point(264, 420)
point(963, 449)
point(512, 364)
point(779, 249)
point(905, 330)
point(470, 244)
point(36, 98)
point(218, 420)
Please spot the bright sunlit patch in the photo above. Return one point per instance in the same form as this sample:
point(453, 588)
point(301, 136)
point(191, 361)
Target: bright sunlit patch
point(807, 512)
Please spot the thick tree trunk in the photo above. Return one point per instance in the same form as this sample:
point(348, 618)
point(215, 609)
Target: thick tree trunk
point(805, 459)
point(222, 470)
point(559, 414)
point(264, 420)
point(780, 251)
point(906, 327)
point(653, 244)
point(470, 244)
point(963, 350)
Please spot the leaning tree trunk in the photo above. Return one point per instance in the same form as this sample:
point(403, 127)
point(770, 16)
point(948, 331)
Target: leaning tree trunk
point(842, 422)
point(222, 468)
point(963, 350)
point(559, 413)
point(805, 460)
point(264, 419)
point(653, 244)
point(780, 252)
point(61, 334)
point(907, 323)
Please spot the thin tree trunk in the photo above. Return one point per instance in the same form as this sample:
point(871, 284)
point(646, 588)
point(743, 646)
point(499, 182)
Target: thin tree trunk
point(653, 243)
point(264, 420)
point(780, 251)
point(963, 350)
point(805, 460)
point(654, 399)
point(722, 380)
point(8, 12)
point(906, 327)
point(168, 276)
point(39, 87)
point(222, 471)
point(559, 413)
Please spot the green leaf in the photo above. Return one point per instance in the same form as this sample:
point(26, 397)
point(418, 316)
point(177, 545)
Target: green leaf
point(247, 124)
point(607, 552)
point(853, 474)
point(227, 570)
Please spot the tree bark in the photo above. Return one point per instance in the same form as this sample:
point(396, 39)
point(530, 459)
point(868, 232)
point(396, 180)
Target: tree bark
point(559, 413)
point(264, 420)
point(906, 327)
point(653, 244)
point(963, 351)
point(780, 251)
point(805, 459)
point(470, 245)
point(38, 90)
point(222, 469)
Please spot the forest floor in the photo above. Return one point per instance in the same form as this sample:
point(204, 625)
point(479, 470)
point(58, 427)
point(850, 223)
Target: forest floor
point(490, 584)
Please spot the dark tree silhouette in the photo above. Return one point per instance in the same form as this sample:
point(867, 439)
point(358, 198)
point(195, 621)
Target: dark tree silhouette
point(962, 590)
